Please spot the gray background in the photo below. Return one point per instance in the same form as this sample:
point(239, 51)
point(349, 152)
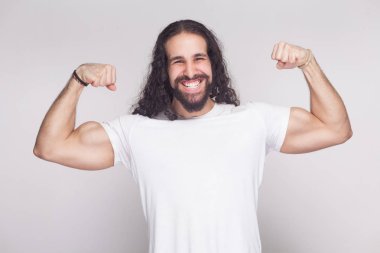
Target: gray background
point(326, 201)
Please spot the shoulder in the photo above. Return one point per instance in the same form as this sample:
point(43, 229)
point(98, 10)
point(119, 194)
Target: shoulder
point(257, 105)
point(265, 112)
point(250, 107)
point(123, 122)
point(266, 108)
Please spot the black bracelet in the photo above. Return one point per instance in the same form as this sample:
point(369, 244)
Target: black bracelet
point(76, 77)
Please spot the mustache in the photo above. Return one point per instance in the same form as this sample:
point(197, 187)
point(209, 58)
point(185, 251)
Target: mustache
point(186, 78)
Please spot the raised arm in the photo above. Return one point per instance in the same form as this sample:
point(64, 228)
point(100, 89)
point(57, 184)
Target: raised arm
point(87, 146)
point(327, 123)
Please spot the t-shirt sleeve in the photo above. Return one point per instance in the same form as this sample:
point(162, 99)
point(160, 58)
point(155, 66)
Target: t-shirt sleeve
point(276, 119)
point(117, 132)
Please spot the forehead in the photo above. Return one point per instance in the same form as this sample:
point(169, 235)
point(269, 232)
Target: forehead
point(185, 44)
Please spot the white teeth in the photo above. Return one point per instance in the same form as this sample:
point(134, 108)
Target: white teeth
point(192, 84)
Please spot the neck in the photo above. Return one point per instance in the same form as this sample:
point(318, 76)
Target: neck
point(182, 112)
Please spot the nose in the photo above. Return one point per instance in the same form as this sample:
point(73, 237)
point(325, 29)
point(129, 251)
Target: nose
point(190, 70)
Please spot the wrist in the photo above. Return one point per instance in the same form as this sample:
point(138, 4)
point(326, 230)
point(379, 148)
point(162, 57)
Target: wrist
point(311, 66)
point(313, 72)
point(309, 58)
point(78, 76)
point(80, 71)
point(74, 86)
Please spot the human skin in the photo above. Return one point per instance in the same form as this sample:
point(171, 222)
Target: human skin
point(327, 123)
point(187, 56)
point(88, 146)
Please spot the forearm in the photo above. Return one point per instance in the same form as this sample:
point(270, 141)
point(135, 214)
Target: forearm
point(59, 121)
point(325, 102)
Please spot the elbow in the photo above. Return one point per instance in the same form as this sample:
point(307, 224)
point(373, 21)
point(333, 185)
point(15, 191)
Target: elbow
point(37, 152)
point(344, 136)
point(350, 133)
point(42, 153)
point(341, 132)
point(347, 134)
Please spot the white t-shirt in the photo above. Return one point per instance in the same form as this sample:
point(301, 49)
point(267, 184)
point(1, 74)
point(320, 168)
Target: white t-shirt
point(199, 178)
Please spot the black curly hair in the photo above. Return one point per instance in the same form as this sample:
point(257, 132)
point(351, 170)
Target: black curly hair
point(157, 95)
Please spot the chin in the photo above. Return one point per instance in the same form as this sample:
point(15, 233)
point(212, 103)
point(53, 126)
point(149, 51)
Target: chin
point(193, 104)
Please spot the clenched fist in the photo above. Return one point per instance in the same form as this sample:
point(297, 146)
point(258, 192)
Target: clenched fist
point(98, 74)
point(290, 56)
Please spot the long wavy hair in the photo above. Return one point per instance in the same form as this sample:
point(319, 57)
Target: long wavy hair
point(157, 94)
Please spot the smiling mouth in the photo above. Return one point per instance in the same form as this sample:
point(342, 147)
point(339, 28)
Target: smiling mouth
point(192, 84)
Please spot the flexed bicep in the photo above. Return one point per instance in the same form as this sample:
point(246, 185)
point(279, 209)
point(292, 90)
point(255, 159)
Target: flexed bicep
point(88, 148)
point(306, 133)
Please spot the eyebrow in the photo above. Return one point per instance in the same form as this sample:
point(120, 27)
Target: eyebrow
point(175, 58)
point(181, 57)
point(200, 54)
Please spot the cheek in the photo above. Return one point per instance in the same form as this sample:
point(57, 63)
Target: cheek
point(173, 74)
point(208, 71)
point(206, 68)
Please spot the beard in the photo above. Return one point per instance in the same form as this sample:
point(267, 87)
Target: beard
point(192, 102)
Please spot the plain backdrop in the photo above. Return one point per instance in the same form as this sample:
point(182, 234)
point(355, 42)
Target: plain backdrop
point(326, 201)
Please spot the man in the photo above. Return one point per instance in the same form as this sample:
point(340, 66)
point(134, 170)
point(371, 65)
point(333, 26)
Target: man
point(195, 153)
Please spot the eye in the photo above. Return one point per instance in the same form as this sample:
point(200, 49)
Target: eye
point(179, 61)
point(199, 58)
